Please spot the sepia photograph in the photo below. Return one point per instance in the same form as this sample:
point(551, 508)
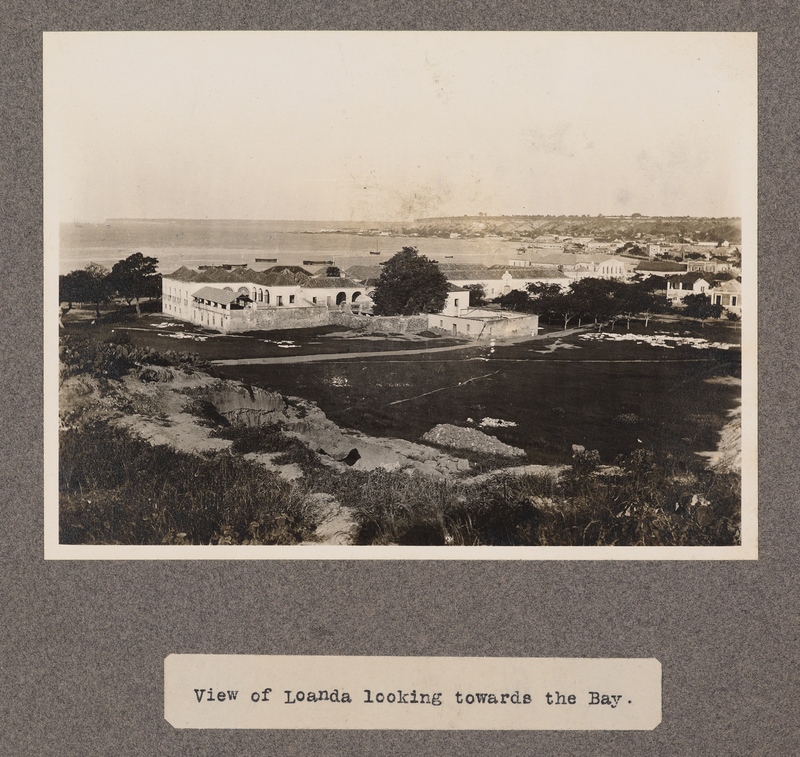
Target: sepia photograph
point(400, 295)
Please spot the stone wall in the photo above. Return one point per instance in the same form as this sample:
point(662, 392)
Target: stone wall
point(267, 319)
point(381, 324)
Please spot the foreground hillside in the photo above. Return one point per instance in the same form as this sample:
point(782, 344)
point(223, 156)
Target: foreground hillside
point(156, 451)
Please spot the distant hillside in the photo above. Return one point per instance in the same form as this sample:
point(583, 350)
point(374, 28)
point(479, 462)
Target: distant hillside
point(602, 228)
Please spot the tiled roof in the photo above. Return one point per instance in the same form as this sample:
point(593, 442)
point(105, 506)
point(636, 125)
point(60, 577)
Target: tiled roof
point(331, 282)
point(446, 267)
point(272, 279)
point(223, 275)
point(733, 285)
point(183, 274)
point(518, 272)
point(364, 272)
point(465, 272)
point(298, 273)
point(690, 278)
point(222, 296)
point(661, 266)
point(218, 275)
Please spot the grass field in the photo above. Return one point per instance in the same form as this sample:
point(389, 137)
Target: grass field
point(613, 397)
point(210, 345)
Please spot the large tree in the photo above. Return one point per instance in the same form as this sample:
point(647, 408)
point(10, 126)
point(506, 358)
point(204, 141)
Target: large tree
point(73, 287)
point(90, 284)
point(410, 284)
point(477, 295)
point(136, 277)
point(596, 299)
point(517, 300)
point(700, 306)
point(636, 299)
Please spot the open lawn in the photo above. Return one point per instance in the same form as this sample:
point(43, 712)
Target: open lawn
point(163, 334)
point(609, 396)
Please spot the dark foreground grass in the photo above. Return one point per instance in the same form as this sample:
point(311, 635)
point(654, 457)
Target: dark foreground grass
point(664, 504)
point(118, 489)
point(212, 345)
point(270, 438)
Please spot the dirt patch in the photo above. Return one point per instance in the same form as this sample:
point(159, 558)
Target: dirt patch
point(288, 471)
point(336, 525)
point(728, 454)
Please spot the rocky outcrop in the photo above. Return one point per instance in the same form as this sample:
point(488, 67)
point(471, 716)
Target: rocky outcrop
point(304, 420)
point(459, 438)
point(728, 455)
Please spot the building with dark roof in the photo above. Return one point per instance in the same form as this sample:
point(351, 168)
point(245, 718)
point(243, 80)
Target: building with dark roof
point(660, 268)
point(225, 297)
point(678, 287)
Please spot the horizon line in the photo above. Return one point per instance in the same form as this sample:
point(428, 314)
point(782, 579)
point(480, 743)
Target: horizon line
point(398, 221)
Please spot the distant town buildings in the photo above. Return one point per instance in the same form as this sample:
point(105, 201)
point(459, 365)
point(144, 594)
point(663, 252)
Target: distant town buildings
point(234, 297)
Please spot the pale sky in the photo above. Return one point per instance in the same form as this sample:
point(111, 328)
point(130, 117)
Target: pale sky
point(397, 125)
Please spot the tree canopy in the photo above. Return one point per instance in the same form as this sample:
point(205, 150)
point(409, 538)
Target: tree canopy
point(477, 295)
point(699, 306)
point(90, 284)
point(410, 284)
point(135, 277)
point(588, 298)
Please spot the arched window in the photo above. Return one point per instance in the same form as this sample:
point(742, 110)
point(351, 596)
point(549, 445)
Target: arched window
point(341, 297)
point(356, 295)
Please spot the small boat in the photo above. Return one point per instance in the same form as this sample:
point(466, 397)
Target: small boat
point(266, 260)
point(374, 253)
point(317, 262)
point(448, 256)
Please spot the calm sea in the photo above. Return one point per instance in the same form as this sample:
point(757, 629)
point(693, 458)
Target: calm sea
point(194, 243)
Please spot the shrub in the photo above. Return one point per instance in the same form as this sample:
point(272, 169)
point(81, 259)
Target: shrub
point(266, 438)
point(116, 357)
point(651, 502)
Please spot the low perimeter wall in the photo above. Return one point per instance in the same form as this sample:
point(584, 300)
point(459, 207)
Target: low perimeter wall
point(478, 328)
point(274, 318)
point(381, 324)
point(270, 319)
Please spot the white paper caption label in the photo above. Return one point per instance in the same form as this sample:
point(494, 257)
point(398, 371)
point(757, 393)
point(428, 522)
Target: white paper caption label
point(411, 693)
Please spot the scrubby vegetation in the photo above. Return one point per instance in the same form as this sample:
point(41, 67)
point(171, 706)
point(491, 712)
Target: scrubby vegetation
point(640, 502)
point(268, 438)
point(116, 357)
point(118, 489)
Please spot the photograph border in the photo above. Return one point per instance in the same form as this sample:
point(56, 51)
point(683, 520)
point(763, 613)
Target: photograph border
point(747, 550)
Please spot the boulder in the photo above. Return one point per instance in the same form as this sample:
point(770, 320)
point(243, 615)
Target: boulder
point(470, 439)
